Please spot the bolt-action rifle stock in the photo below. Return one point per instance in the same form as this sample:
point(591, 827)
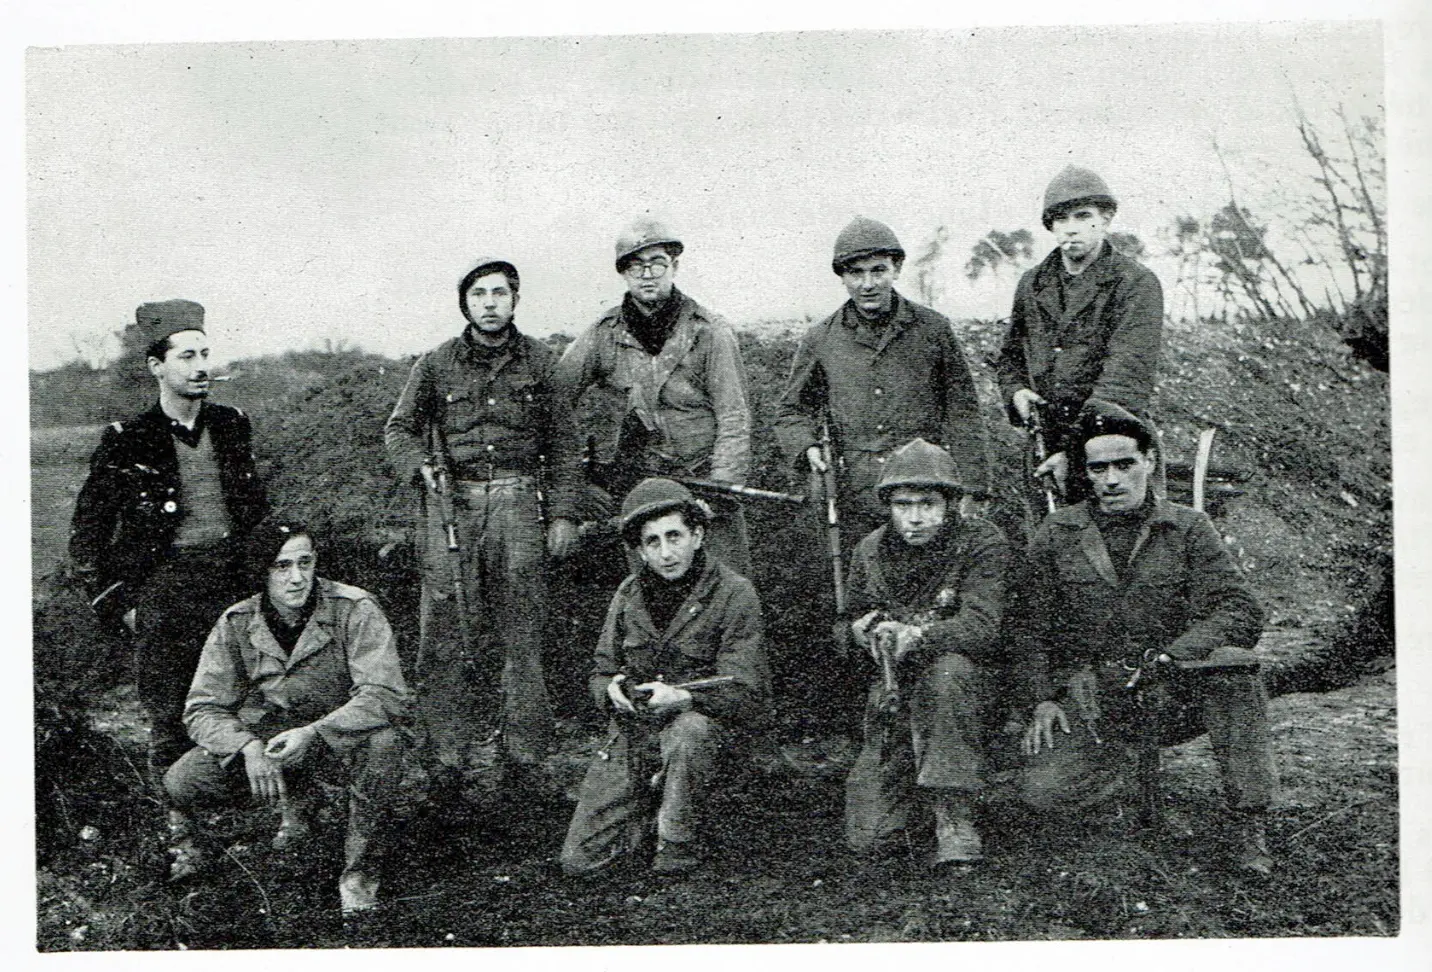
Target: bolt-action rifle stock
point(1038, 452)
point(442, 494)
point(823, 484)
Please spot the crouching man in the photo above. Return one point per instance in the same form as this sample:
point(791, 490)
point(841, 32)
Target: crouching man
point(1125, 594)
point(297, 680)
point(929, 589)
point(681, 617)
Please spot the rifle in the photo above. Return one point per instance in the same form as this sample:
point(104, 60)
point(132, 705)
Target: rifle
point(1038, 452)
point(439, 460)
point(732, 489)
point(823, 484)
point(1148, 685)
point(540, 488)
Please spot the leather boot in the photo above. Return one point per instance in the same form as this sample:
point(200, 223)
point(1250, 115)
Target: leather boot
point(1250, 852)
point(956, 840)
point(190, 860)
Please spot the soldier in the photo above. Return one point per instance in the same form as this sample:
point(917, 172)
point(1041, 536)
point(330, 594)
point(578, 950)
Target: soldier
point(885, 370)
point(681, 615)
point(673, 371)
point(480, 414)
point(1086, 324)
point(1125, 582)
point(300, 679)
point(882, 370)
point(929, 589)
point(158, 525)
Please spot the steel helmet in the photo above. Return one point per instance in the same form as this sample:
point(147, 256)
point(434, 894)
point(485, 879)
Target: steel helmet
point(656, 496)
point(920, 465)
point(643, 233)
point(1075, 185)
point(864, 237)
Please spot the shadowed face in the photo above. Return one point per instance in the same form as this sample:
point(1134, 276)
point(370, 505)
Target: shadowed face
point(918, 514)
point(1118, 472)
point(668, 545)
point(290, 576)
point(184, 371)
point(870, 282)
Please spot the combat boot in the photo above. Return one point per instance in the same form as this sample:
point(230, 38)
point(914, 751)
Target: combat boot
point(676, 857)
point(357, 892)
point(190, 861)
point(1250, 852)
point(956, 839)
point(293, 827)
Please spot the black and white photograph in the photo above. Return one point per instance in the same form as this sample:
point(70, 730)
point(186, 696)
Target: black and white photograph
point(756, 483)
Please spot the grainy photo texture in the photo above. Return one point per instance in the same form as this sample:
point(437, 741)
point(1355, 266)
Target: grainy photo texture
point(780, 487)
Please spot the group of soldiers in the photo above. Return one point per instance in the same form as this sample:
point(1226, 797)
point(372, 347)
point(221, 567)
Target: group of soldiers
point(994, 674)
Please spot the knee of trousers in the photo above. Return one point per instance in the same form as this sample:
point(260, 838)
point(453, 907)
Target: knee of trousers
point(951, 674)
point(187, 781)
point(691, 732)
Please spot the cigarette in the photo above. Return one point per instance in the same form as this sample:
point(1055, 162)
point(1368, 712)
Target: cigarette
point(222, 378)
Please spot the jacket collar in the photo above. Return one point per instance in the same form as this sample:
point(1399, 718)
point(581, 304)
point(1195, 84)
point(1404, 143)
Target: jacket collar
point(1099, 274)
point(678, 345)
point(515, 347)
point(1079, 517)
point(316, 634)
point(902, 315)
point(690, 608)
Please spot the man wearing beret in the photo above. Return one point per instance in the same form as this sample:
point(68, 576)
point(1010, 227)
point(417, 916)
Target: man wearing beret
point(159, 522)
point(671, 372)
point(1086, 325)
point(1136, 626)
point(680, 617)
point(480, 411)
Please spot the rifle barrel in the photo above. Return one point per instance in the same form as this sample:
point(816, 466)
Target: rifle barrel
point(733, 489)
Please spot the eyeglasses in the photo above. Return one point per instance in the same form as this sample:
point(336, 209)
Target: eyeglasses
point(647, 268)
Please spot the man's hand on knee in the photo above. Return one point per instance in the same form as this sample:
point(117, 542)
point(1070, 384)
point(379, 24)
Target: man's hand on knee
point(265, 774)
point(1040, 733)
point(290, 746)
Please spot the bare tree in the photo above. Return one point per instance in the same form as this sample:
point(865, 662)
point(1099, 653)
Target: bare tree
point(926, 264)
point(995, 250)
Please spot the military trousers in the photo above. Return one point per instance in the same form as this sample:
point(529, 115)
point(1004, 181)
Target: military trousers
point(371, 772)
point(643, 781)
point(1090, 764)
point(932, 747)
point(465, 690)
point(176, 608)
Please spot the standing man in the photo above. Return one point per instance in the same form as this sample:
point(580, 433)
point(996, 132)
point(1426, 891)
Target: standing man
point(297, 681)
point(1086, 325)
point(673, 371)
point(928, 587)
point(1125, 582)
point(880, 371)
point(479, 418)
point(681, 616)
point(158, 525)
point(884, 370)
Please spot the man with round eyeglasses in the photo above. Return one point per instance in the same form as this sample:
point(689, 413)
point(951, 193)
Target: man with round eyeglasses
point(670, 374)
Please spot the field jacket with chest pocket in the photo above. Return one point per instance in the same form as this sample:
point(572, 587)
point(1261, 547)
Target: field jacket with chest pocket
point(1180, 593)
point(1100, 341)
point(690, 398)
point(718, 630)
point(500, 417)
point(129, 508)
point(342, 676)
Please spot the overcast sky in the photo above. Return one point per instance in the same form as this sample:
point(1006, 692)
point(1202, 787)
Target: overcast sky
point(313, 190)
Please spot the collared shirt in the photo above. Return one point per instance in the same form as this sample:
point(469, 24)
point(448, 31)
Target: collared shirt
point(498, 412)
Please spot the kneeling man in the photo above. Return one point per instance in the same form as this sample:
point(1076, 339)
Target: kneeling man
point(929, 587)
point(682, 617)
point(1138, 624)
point(294, 680)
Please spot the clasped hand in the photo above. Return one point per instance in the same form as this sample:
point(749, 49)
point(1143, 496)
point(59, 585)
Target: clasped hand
point(660, 699)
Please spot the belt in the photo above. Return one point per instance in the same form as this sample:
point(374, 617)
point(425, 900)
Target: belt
point(516, 480)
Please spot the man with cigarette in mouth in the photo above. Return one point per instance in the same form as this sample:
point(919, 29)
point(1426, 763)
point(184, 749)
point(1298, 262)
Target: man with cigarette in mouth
point(159, 523)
